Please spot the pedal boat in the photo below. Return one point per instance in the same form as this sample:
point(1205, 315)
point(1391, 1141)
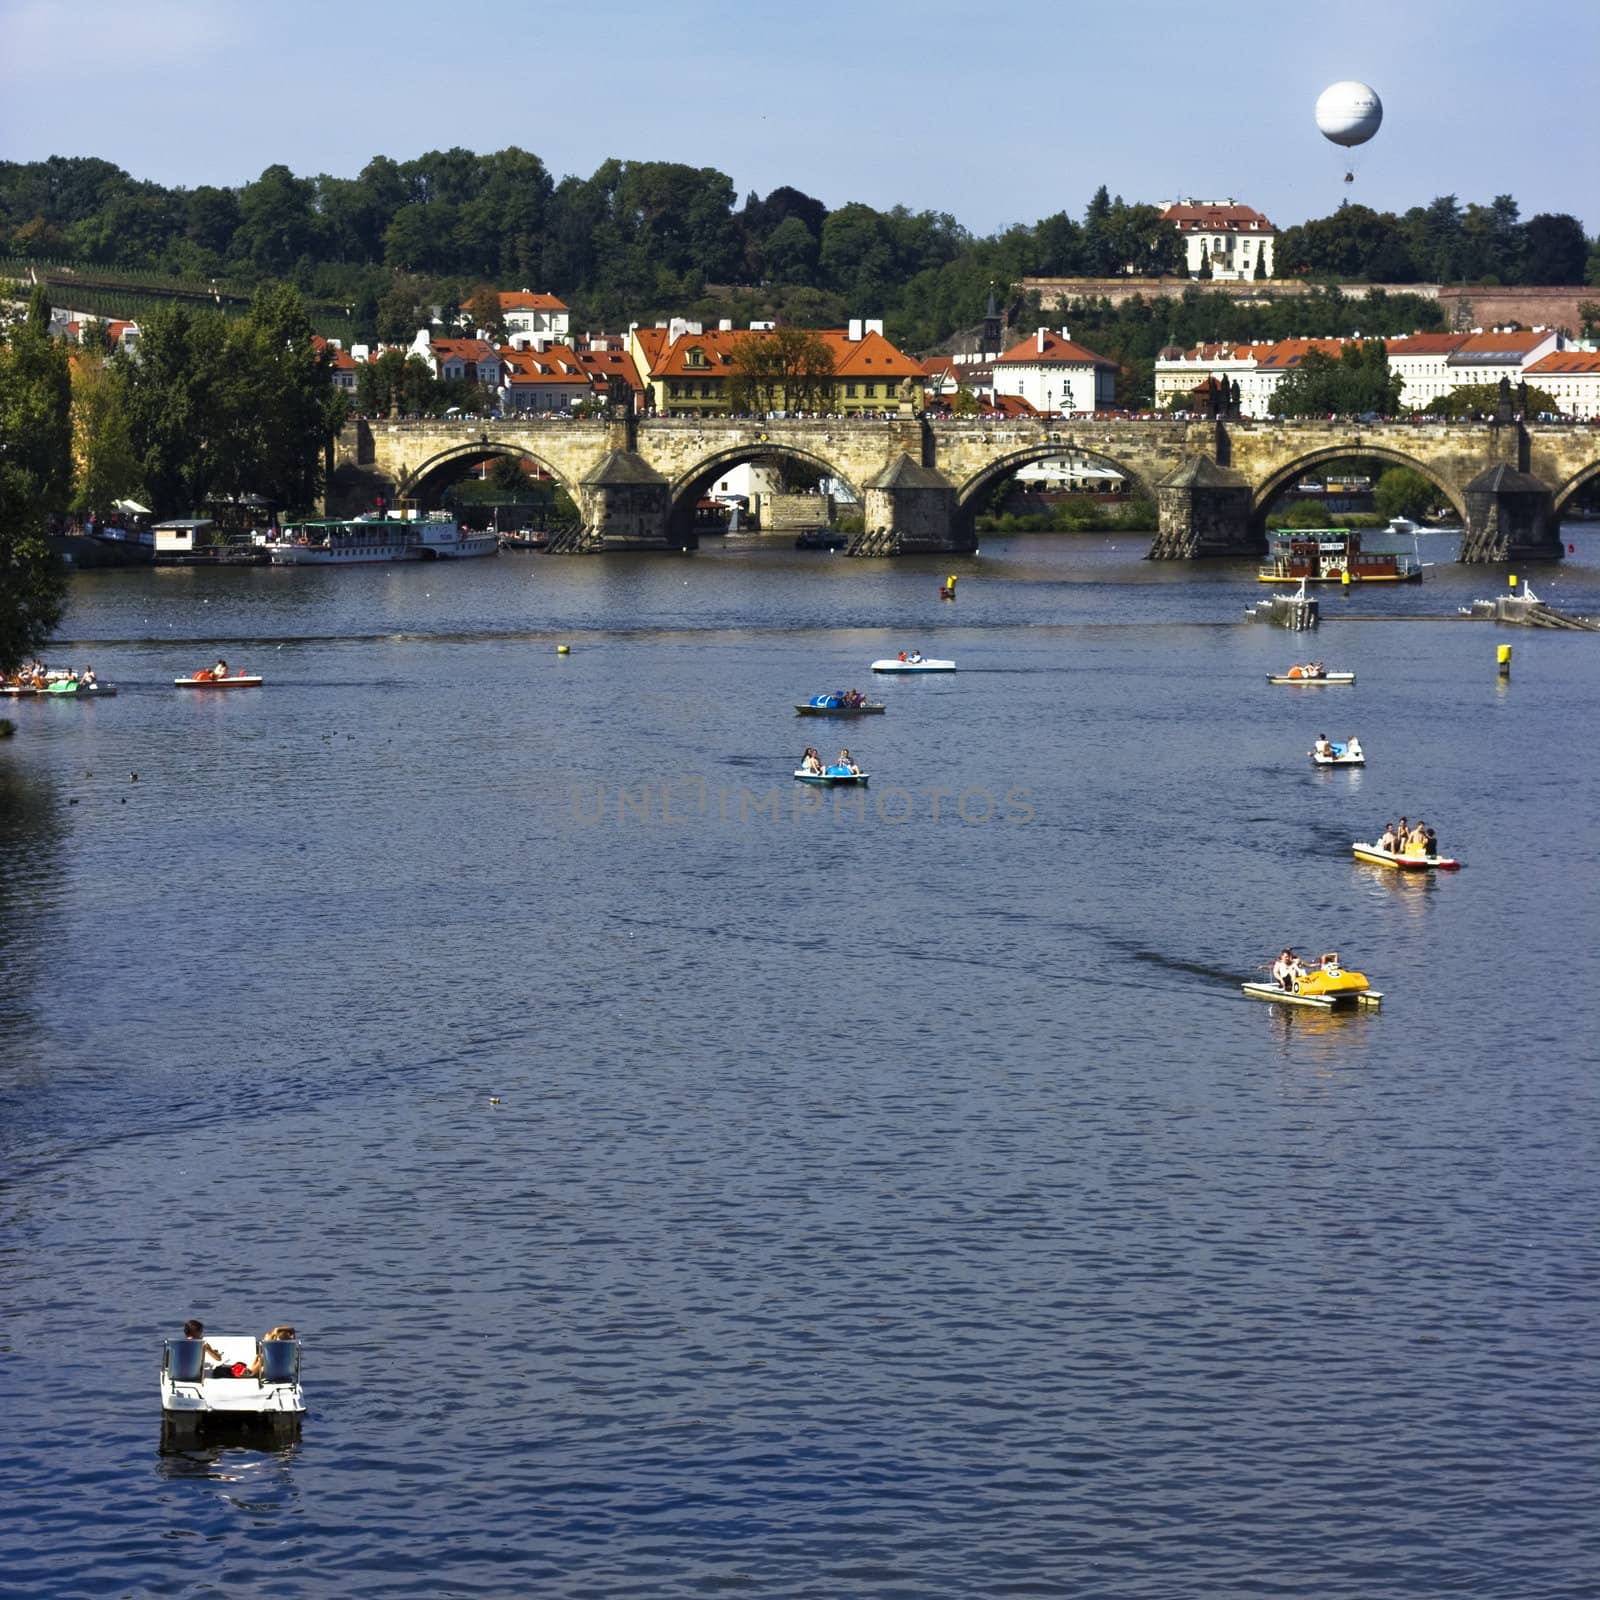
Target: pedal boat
point(238, 680)
point(1341, 757)
point(1326, 987)
point(60, 689)
point(190, 1393)
point(925, 665)
point(830, 705)
point(831, 777)
point(1326, 677)
point(1403, 863)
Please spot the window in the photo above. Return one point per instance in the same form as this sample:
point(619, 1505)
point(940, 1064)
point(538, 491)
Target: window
point(849, 391)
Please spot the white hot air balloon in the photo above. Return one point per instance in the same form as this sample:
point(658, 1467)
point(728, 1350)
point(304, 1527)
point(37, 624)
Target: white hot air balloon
point(1348, 114)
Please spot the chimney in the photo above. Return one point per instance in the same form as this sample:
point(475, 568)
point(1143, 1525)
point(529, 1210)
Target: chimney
point(854, 334)
point(875, 325)
point(725, 325)
point(1039, 339)
point(1066, 333)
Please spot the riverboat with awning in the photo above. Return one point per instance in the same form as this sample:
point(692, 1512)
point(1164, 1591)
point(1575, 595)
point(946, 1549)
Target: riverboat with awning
point(1337, 555)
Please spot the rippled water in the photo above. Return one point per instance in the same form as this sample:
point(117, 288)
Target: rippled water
point(875, 1204)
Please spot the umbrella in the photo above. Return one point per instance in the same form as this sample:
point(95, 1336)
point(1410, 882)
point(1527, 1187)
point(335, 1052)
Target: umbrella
point(132, 506)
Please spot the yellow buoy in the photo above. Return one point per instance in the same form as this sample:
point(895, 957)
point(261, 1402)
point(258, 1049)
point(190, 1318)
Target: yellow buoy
point(1502, 655)
point(1513, 580)
point(563, 649)
point(1344, 579)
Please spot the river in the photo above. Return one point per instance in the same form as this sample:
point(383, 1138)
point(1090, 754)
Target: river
point(687, 1185)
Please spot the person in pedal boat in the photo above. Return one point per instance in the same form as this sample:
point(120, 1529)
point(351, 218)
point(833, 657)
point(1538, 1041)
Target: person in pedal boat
point(916, 658)
point(847, 765)
point(1322, 747)
point(1286, 969)
point(1417, 840)
point(811, 762)
point(1352, 748)
point(221, 669)
point(1387, 841)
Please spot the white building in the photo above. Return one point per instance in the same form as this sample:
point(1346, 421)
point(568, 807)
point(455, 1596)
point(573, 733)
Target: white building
point(1488, 355)
point(1423, 361)
point(528, 315)
point(1572, 377)
point(1235, 239)
point(1055, 375)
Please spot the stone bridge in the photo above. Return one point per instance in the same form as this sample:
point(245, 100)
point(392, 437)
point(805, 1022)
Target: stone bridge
point(921, 480)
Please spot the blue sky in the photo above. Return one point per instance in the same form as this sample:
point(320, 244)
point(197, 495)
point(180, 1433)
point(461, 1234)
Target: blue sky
point(996, 114)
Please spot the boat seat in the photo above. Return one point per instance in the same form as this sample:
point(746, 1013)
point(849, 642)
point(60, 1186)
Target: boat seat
point(280, 1360)
point(185, 1360)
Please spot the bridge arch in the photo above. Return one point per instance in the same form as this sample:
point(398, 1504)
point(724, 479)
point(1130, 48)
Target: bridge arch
point(1287, 474)
point(1564, 496)
point(969, 494)
point(689, 487)
point(435, 474)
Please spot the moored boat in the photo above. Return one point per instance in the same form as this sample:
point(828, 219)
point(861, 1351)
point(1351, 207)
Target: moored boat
point(400, 535)
point(1403, 861)
point(821, 539)
point(924, 665)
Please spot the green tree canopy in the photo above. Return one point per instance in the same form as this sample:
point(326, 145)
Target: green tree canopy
point(1357, 381)
point(35, 479)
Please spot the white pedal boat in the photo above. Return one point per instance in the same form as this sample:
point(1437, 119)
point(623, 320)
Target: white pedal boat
point(925, 665)
point(189, 1389)
point(830, 776)
point(1326, 677)
point(1341, 757)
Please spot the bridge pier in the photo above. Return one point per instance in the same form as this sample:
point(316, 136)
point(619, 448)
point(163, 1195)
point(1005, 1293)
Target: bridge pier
point(1510, 517)
point(1204, 510)
point(627, 505)
point(909, 510)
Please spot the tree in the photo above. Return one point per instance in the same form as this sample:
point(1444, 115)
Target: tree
point(1482, 399)
point(1589, 316)
point(483, 308)
point(781, 370)
point(1404, 492)
point(1555, 249)
point(790, 252)
point(107, 469)
point(35, 477)
point(1356, 382)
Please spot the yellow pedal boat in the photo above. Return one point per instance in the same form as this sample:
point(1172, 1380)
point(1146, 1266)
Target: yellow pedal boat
point(1326, 987)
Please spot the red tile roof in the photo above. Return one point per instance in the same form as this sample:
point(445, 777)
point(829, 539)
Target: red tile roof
point(479, 350)
point(870, 356)
point(1287, 354)
point(1566, 361)
point(1426, 344)
point(1479, 348)
point(1191, 218)
point(716, 346)
point(1057, 352)
point(523, 300)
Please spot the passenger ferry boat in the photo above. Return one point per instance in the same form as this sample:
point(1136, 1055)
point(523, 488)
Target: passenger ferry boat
point(1325, 555)
point(397, 536)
